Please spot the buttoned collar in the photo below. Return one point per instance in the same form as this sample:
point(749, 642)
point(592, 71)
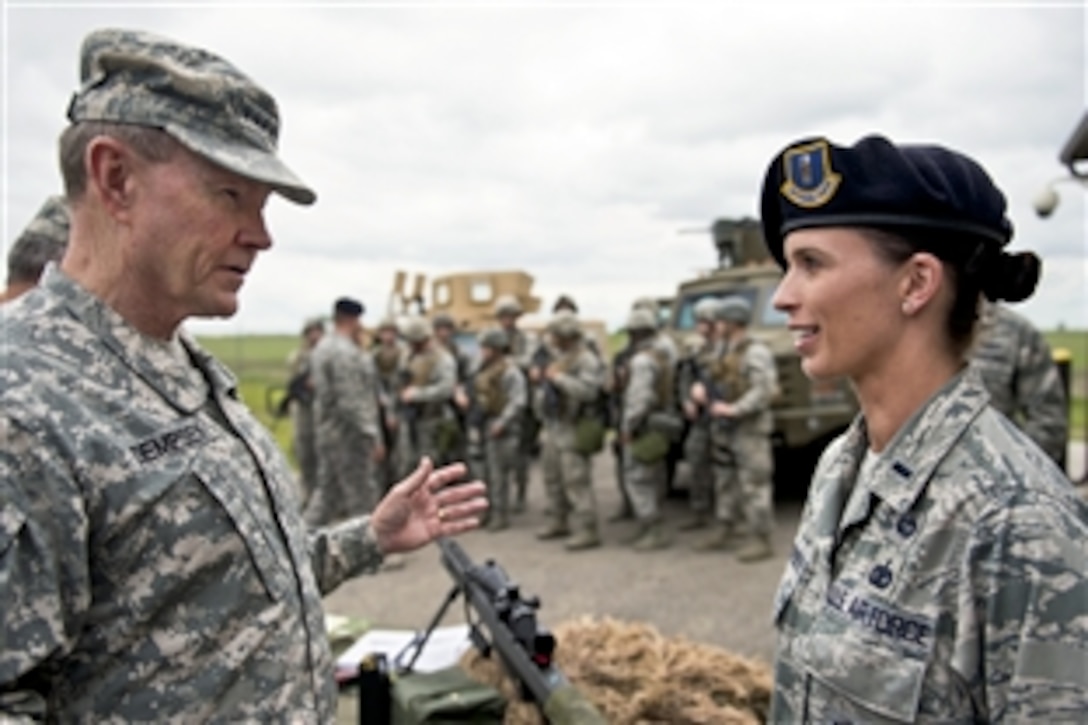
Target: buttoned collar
point(172, 368)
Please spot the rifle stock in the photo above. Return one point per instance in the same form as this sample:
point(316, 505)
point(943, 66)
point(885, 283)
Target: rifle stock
point(524, 647)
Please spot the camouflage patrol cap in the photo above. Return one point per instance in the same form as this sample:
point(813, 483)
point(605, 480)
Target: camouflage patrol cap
point(735, 309)
point(708, 309)
point(416, 329)
point(565, 324)
point(507, 305)
point(196, 97)
point(641, 320)
point(494, 338)
point(42, 241)
point(444, 319)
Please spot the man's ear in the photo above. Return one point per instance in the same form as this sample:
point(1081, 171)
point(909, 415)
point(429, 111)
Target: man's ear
point(111, 168)
point(922, 277)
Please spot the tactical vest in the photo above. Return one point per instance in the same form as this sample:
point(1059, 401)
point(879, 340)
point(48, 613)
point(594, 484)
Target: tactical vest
point(387, 359)
point(421, 366)
point(566, 365)
point(490, 394)
point(729, 371)
point(663, 385)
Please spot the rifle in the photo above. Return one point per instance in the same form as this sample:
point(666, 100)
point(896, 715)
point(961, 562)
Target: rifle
point(523, 646)
point(714, 393)
point(474, 419)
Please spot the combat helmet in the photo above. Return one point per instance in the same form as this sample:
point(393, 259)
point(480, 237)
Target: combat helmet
point(641, 320)
point(416, 329)
point(507, 305)
point(565, 324)
point(444, 319)
point(388, 323)
point(736, 309)
point(494, 338)
point(708, 309)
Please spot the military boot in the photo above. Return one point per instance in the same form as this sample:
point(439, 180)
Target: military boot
point(654, 538)
point(623, 513)
point(699, 520)
point(638, 533)
point(556, 529)
point(586, 537)
point(756, 548)
point(721, 539)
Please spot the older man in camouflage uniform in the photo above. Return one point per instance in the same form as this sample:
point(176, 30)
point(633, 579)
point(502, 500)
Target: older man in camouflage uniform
point(428, 378)
point(568, 387)
point(346, 421)
point(647, 395)
point(1023, 381)
point(741, 436)
point(42, 241)
point(696, 464)
point(300, 392)
point(153, 565)
point(493, 403)
point(507, 311)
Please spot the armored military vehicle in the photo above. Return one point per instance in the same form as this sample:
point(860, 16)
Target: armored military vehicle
point(469, 298)
point(807, 414)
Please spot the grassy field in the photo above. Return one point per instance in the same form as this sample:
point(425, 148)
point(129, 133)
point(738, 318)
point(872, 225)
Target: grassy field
point(260, 362)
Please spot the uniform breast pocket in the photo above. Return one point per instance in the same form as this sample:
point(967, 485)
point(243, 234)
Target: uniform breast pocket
point(188, 522)
point(852, 677)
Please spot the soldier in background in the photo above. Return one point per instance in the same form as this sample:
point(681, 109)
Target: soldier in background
point(389, 353)
point(507, 312)
point(1019, 372)
point(42, 241)
point(493, 403)
point(346, 421)
point(663, 343)
point(696, 465)
point(300, 397)
point(444, 328)
point(648, 391)
point(565, 395)
point(426, 422)
point(742, 427)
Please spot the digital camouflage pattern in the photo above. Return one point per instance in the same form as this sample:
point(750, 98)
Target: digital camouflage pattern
point(949, 584)
point(198, 98)
point(153, 565)
point(1019, 372)
point(567, 476)
point(502, 395)
point(643, 481)
point(346, 430)
point(52, 223)
point(743, 485)
point(432, 371)
point(303, 430)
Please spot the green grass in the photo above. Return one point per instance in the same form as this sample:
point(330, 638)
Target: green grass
point(260, 362)
point(1075, 342)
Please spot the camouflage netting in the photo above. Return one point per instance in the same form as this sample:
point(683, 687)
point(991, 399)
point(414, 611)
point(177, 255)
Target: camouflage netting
point(634, 674)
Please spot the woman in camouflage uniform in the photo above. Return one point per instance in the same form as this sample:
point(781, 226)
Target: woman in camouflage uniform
point(939, 571)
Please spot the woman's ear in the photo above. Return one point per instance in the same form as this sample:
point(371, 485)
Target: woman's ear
point(922, 277)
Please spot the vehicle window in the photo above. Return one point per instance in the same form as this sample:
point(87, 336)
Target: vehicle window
point(480, 291)
point(467, 343)
point(772, 317)
point(441, 294)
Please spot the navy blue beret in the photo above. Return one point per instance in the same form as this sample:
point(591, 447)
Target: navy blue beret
point(348, 307)
point(875, 183)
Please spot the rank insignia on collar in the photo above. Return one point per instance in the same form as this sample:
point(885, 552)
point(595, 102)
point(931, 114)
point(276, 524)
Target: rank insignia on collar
point(810, 180)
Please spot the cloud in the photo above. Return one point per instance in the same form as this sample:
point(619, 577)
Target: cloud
point(575, 142)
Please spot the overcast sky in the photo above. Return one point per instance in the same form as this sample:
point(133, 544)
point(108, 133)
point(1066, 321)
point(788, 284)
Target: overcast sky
point(572, 140)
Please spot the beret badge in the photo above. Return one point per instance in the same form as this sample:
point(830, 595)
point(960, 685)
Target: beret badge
point(810, 181)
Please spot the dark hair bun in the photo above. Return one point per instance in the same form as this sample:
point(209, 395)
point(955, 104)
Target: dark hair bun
point(1011, 277)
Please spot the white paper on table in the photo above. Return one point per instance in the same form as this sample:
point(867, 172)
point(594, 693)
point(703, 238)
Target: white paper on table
point(443, 649)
